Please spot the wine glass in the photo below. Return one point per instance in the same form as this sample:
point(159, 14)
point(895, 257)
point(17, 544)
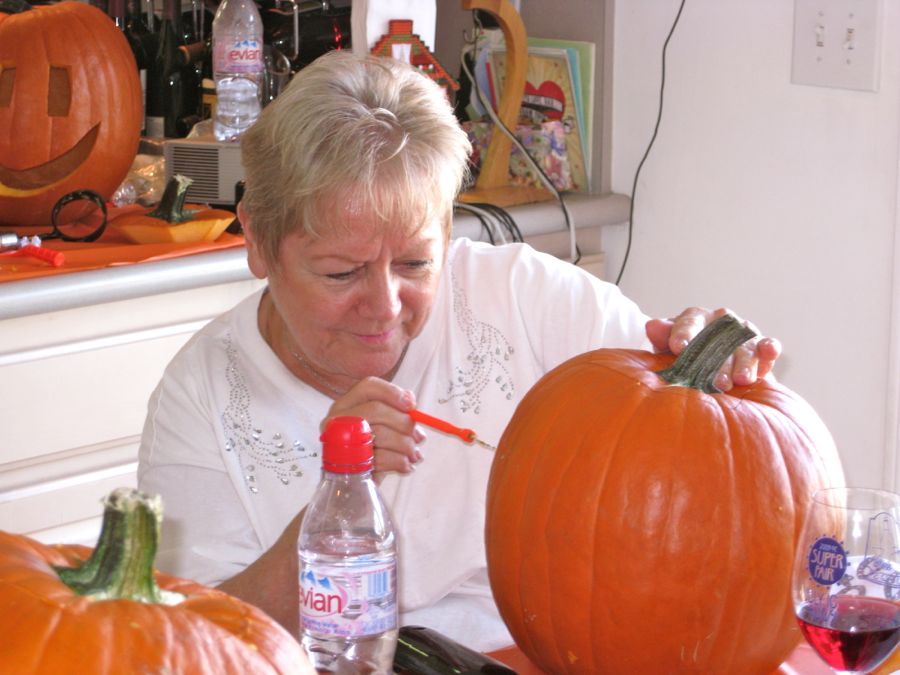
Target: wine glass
point(846, 581)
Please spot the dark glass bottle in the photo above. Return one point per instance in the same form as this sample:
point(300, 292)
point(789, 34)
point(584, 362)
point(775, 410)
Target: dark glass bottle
point(152, 16)
point(173, 89)
point(196, 58)
point(137, 30)
point(129, 19)
point(424, 651)
point(116, 10)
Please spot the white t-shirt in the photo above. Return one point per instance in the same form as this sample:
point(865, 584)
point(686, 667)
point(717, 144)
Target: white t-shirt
point(231, 437)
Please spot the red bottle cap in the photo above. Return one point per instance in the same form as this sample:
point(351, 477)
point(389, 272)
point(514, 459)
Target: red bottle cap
point(347, 445)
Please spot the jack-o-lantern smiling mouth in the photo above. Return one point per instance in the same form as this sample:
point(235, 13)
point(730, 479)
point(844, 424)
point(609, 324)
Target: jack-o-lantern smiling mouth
point(53, 171)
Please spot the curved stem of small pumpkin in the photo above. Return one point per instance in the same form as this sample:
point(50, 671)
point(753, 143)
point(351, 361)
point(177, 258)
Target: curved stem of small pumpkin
point(121, 566)
point(699, 363)
point(171, 206)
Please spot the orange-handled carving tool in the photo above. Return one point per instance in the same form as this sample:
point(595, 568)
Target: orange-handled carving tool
point(29, 246)
point(55, 258)
point(466, 435)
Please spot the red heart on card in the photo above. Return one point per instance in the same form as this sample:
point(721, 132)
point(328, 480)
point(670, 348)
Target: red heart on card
point(547, 99)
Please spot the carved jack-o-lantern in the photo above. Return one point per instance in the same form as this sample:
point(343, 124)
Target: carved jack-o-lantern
point(70, 108)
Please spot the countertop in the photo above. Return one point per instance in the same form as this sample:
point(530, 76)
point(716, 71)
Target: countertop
point(78, 289)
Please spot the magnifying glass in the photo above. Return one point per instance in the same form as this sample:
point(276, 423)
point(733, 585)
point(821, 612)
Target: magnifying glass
point(78, 195)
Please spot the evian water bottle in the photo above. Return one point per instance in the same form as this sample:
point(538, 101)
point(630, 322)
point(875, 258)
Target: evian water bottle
point(237, 36)
point(348, 569)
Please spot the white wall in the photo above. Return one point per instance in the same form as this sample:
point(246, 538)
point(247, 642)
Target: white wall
point(775, 199)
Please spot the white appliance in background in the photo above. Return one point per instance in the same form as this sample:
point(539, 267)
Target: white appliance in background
point(215, 167)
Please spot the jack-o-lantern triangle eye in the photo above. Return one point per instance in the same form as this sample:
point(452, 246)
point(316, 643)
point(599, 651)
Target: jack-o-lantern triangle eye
point(7, 79)
point(59, 96)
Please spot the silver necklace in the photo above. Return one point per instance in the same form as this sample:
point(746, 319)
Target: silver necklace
point(315, 375)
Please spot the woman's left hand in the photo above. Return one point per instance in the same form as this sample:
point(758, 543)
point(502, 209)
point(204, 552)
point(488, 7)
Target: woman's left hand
point(752, 360)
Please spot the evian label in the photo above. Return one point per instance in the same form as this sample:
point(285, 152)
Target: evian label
point(238, 56)
point(341, 601)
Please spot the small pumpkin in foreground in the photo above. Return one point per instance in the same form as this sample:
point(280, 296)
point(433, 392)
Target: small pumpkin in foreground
point(67, 610)
point(640, 522)
point(172, 221)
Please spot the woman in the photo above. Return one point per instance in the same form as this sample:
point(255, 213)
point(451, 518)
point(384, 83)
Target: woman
point(370, 310)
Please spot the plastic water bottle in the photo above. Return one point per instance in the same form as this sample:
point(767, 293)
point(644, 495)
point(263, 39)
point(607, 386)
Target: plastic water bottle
point(237, 35)
point(347, 560)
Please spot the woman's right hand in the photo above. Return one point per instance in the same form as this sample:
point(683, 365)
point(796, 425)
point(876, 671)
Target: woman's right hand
point(385, 407)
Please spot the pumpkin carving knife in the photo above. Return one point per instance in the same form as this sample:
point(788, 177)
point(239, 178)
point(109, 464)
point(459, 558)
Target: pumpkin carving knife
point(466, 435)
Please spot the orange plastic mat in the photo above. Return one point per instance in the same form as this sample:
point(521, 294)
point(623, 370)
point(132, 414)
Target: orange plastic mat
point(109, 250)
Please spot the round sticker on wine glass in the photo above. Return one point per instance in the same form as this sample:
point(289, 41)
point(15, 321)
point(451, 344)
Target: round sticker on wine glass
point(827, 561)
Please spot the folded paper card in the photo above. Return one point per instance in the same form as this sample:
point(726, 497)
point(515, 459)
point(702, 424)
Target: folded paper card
point(545, 142)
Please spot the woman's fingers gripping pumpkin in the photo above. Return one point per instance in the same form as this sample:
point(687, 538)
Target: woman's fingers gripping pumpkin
point(752, 360)
point(385, 407)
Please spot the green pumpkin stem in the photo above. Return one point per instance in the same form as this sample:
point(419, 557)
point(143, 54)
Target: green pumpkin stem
point(699, 363)
point(171, 206)
point(14, 6)
point(121, 566)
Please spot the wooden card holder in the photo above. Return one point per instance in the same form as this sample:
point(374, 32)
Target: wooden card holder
point(493, 184)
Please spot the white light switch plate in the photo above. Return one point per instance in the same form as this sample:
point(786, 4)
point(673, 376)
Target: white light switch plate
point(837, 43)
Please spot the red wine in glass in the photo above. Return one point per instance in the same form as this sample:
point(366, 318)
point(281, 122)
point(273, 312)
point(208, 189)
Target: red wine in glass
point(846, 580)
point(858, 634)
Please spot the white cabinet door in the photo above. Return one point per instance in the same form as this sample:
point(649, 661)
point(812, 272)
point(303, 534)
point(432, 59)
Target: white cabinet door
point(75, 387)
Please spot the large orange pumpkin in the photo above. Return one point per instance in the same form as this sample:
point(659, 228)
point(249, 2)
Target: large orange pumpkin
point(113, 615)
point(70, 109)
point(637, 524)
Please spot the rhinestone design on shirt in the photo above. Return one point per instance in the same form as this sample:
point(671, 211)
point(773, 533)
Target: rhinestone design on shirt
point(256, 449)
point(486, 360)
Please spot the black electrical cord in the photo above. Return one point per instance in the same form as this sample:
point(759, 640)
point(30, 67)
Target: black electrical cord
point(637, 173)
point(504, 218)
point(485, 225)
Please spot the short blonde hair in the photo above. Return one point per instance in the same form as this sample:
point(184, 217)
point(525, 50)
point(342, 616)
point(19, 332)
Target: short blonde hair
point(352, 134)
